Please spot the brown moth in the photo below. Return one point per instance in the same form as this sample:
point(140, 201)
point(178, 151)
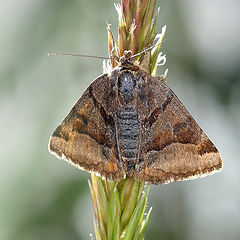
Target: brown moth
point(128, 123)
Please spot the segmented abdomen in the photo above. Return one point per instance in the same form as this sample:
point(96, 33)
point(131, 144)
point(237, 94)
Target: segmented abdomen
point(128, 135)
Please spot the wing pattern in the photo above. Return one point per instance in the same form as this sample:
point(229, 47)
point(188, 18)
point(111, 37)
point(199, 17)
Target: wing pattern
point(86, 137)
point(174, 147)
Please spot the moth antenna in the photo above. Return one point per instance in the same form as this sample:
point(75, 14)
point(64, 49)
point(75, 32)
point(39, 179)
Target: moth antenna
point(76, 55)
point(147, 49)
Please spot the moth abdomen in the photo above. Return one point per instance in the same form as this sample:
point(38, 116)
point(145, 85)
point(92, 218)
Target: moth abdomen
point(128, 135)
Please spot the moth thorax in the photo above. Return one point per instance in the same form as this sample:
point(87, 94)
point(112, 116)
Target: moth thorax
point(126, 86)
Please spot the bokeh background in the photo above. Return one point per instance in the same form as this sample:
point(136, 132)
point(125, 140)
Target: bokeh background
point(45, 198)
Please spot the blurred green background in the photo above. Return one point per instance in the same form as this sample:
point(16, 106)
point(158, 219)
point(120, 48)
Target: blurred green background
point(45, 198)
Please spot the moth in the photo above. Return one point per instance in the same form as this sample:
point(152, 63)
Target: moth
point(129, 123)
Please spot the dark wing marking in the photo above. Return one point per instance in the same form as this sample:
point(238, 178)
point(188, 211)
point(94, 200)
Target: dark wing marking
point(86, 137)
point(173, 147)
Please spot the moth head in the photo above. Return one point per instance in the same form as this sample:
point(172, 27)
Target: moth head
point(126, 59)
